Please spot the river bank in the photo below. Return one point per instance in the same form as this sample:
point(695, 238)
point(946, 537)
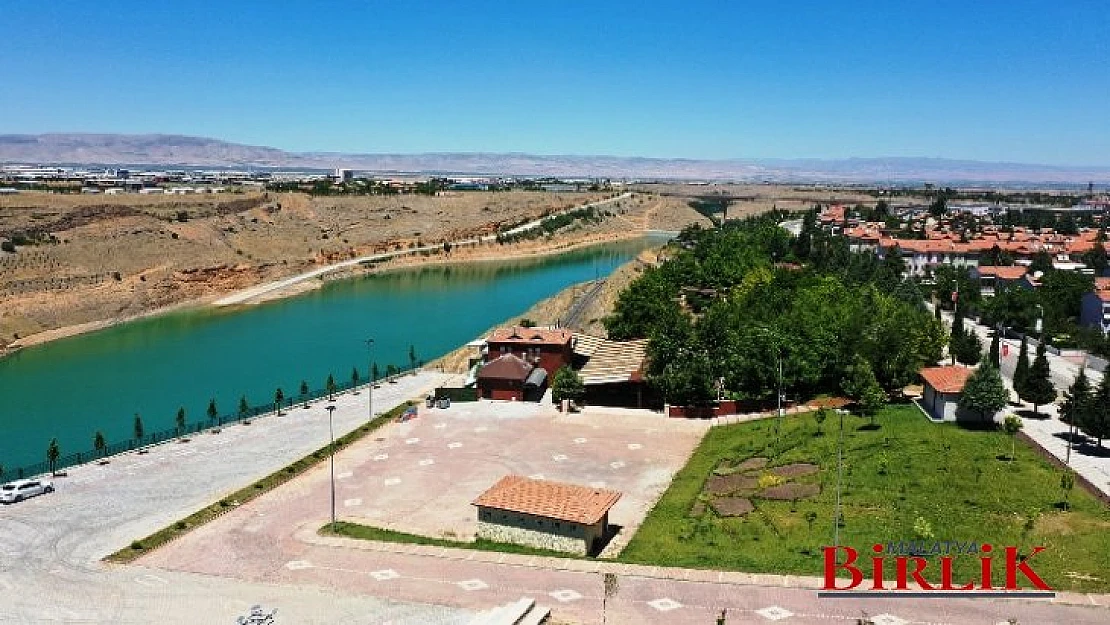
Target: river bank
point(476, 254)
point(156, 366)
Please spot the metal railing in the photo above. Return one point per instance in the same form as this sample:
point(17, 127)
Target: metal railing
point(193, 428)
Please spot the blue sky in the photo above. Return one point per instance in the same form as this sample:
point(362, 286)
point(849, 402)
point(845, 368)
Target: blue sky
point(1014, 81)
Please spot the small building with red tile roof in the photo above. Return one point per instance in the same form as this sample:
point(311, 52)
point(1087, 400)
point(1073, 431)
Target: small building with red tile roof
point(509, 377)
point(548, 348)
point(545, 515)
point(943, 387)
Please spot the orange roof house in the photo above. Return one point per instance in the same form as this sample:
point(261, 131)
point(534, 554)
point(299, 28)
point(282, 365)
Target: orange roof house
point(544, 514)
point(941, 397)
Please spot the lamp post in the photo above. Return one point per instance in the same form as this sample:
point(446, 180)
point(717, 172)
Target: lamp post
point(331, 460)
point(839, 471)
point(370, 374)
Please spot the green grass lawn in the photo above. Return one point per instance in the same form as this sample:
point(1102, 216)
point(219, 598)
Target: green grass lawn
point(909, 472)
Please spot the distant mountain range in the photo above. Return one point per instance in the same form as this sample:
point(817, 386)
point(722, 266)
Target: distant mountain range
point(171, 150)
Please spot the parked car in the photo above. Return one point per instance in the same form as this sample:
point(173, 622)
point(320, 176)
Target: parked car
point(24, 489)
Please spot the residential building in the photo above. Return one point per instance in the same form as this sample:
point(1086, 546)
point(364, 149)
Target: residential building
point(994, 277)
point(1095, 310)
point(548, 348)
point(545, 515)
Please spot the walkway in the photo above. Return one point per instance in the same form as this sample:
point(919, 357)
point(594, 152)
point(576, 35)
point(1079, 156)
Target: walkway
point(1049, 432)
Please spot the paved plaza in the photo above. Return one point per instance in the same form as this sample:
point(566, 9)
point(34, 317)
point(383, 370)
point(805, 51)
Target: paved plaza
point(269, 551)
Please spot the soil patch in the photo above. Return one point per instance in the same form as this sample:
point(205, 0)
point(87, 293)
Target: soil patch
point(790, 491)
point(732, 506)
point(727, 484)
point(752, 464)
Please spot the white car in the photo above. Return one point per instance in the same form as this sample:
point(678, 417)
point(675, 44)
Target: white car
point(24, 489)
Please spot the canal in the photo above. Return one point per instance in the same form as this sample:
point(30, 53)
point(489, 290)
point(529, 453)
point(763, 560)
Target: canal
point(71, 388)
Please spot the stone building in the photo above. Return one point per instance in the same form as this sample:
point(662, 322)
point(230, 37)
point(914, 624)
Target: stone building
point(546, 515)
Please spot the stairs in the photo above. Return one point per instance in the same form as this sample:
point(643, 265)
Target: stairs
point(523, 611)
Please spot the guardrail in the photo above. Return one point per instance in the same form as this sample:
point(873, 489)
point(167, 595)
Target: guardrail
point(196, 427)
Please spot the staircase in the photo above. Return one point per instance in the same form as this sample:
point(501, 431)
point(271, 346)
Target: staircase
point(523, 611)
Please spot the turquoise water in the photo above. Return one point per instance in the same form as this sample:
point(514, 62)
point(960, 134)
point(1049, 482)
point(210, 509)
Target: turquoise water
point(71, 388)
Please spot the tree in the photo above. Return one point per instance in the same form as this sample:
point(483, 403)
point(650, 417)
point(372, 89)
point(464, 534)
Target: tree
point(1097, 423)
point(52, 455)
point(1067, 482)
point(279, 398)
point(1011, 425)
point(244, 407)
point(354, 377)
point(984, 393)
point(995, 353)
point(567, 385)
point(412, 358)
point(330, 387)
point(1078, 400)
point(213, 413)
point(99, 444)
point(304, 393)
point(138, 427)
point(820, 416)
point(1038, 388)
point(374, 373)
point(179, 420)
point(1021, 370)
point(967, 347)
point(860, 384)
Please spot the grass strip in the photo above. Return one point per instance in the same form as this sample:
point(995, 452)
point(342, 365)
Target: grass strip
point(277, 478)
point(367, 532)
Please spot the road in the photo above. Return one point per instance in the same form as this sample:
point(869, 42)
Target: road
point(246, 295)
point(51, 546)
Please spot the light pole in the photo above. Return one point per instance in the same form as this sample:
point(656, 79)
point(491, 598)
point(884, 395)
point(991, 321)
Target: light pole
point(370, 374)
point(331, 460)
point(839, 471)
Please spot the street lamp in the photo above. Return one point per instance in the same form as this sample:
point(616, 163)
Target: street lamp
point(331, 460)
point(839, 471)
point(370, 374)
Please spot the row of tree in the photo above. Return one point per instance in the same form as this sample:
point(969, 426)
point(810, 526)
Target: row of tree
point(1088, 408)
point(100, 443)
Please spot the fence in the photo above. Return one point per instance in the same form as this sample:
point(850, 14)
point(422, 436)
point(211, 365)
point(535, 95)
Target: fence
point(196, 427)
point(457, 394)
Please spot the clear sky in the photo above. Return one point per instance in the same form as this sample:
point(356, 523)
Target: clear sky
point(982, 79)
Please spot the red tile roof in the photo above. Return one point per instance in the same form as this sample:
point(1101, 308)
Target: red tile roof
point(505, 367)
point(1006, 273)
point(949, 379)
point(553, 500)
point(531, 336)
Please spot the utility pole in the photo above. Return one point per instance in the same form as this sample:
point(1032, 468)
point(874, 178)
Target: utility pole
point(839, 471)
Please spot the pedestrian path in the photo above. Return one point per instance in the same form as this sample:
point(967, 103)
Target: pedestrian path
point(309, 534)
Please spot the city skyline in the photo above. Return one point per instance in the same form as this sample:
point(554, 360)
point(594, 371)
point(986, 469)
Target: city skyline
point(1020, 82)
